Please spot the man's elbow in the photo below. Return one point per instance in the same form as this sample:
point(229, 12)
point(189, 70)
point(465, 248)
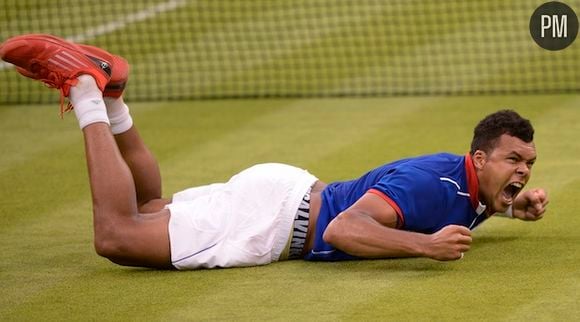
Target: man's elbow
point(334, 230)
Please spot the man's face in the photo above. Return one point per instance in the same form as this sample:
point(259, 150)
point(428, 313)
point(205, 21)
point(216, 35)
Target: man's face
point(504, 171)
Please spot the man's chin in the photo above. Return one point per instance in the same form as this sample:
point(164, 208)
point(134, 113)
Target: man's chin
point(502, 206)
point(498, 205)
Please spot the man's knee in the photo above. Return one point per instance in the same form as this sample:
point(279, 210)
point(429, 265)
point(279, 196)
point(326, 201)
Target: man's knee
point(109, 247)
point(134, 241)
point(110, 242)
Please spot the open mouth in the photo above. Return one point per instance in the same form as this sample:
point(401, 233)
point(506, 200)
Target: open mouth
point(510, 192)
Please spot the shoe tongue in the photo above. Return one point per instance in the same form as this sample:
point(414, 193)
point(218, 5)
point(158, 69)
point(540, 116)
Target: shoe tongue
point(102, 65)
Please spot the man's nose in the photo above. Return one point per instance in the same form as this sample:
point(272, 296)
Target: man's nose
point(523, 170)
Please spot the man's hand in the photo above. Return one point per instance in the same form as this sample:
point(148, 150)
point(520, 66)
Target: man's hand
point(449, 243)
point(530, 205)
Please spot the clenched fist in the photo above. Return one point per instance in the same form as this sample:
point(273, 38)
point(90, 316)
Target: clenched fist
point(531, 205)
point(449, 243)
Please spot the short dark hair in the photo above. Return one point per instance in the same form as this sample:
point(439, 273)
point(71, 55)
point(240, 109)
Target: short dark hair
point(488, 130)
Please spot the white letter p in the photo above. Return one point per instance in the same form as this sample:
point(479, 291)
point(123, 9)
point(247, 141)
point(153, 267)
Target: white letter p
point(546, 23)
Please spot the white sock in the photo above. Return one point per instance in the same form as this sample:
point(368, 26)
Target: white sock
point(118, 113)
point(87, 100)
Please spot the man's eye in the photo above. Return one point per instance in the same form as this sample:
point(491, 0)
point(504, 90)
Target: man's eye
point(530, 164)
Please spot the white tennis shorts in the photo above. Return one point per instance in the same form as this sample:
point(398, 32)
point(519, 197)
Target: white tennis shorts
point(244, 222)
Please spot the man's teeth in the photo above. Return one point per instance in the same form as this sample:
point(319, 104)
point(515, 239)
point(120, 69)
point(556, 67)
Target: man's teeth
point(517, 185)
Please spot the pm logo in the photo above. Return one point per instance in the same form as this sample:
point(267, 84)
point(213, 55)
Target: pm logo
point(554, 26)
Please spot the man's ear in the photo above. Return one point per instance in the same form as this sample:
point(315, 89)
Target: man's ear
point(479, 159)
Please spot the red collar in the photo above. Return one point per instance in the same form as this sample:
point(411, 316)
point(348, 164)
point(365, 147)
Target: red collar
point(473, 185)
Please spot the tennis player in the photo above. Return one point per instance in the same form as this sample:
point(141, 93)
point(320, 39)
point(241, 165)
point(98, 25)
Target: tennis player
point(422, 206)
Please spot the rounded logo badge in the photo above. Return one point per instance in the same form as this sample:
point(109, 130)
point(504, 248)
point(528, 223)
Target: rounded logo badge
point(554, 25)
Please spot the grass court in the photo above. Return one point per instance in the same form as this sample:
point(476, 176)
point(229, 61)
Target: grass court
point(515, 271)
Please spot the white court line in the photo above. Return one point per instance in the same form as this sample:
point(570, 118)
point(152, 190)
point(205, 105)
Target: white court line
point(139, 16)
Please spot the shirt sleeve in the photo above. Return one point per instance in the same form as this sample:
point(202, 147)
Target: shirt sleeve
point(416, 194)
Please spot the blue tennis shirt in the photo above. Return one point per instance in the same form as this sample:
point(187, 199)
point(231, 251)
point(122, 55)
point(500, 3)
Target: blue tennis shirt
point(427, 192)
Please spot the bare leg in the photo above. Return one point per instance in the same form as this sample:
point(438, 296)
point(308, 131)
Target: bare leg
point(121, 233)
point(140, 160)
point(144, 169)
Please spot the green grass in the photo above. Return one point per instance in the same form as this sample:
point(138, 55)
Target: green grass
point(515, 271)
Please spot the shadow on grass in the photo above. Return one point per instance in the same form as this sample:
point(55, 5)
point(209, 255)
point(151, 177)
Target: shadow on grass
point(401, 265)
point(482, 245)
point(491, 240)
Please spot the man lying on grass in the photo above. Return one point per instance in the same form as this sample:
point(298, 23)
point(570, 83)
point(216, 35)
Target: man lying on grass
point(422, 206)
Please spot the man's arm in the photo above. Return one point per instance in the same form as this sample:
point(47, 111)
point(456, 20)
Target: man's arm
point(366, 229)
point(530, 205)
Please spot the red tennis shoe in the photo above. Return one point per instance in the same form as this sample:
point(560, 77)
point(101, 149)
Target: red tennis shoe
point(58, 63)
